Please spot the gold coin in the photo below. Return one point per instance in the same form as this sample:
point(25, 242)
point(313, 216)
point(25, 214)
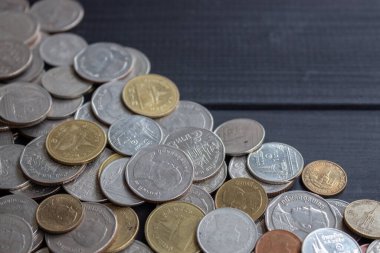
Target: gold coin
point(151, 95)
point(324, 178)
point(171, 227)
point(109, 160)
point(127, 227)
point(60, 213)
point(76, 142)
point(245, 194)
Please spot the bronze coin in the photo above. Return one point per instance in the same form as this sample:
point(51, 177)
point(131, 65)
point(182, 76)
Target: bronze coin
point(278, 241)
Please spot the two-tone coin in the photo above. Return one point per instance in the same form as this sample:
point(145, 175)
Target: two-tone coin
point(199, 197)
point(276, 241)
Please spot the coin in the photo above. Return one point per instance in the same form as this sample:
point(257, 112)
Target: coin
point(171, 227)
point(132, 133)
point(363, 218)
point(38, 238)
point(244, 194)
point(93, 235)
point(40, 129)
point(43, 250)
point(204, 148)
point(18, 26)
point(137, 247)
point(364, 247)
point(374, 247)
point(31, 73)
point(15, 58)
point(16, 234)
point(6, 138)
point(14, 5)
point(35, 191)
point(275, 163)
point(141, 64)
point(159, 173)
point(213, 183)
point(75, 142)
point(64, 108)
point(107, 161)
point(85, 112)
point(151, 95)
point(241, 136)
point(277, 241)
point(215, 234)
point(199, 197)
point(261, 227)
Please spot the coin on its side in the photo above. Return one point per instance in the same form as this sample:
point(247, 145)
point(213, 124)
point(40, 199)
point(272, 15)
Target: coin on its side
point(374, 247)
point(16, 234)
point(137, 247)
point(277, 241)
point(199, 197)
point(213, 183)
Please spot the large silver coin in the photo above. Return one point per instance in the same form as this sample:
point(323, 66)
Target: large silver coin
point(374, 247)
point(6, 138)
point(275, 163)
point(15, 57)
point(32, 72)
point(85, 112)
point(199, 197)
point(60, 49)
point(40, 129)
point(204, 148)
point(113, 184)
point(130, 134)
point(227, 230)
point(16, 234)
point(141, 64)
point(93, 235)
point(160, 173)
point(35, 191)
point(18, 26)
point(64, 108)
point(41, 169)
point(103, 62)
point(241, 136)
point(325, 240)
point(137, 247)
point(14, 5)
point(213, 183)
point(299, 212)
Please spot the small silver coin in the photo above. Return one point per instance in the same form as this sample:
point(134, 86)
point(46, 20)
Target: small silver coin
point(6, 138)
point(113, 184)
point(16, 234)
point(15, 57)
point(137, 247)
point(214, 233)
point(275, 163)
point(85, 112)
point(130, 134)
point(64, 108)
point(213, 183)
point(199, 197)
point(159, 173)
point(103, 62)
point(329, 240)
point(40, 129)
point(60, 49)
point(43, 250)
point(18, 26)
point(374, 247)
point(14, 5)
point(57, 15)
point(93, 235)
point(35, 191)
point(32, 72)
point(261, 228)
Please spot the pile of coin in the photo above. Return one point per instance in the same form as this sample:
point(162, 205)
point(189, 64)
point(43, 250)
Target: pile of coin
point(85, 164)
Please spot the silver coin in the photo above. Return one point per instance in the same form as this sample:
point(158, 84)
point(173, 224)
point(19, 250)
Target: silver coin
point(64, 108)
point(130, 134)
point(62, 82)
point(40, 129)
point(60, 49)
point(199, 197)
point(43, 250)
point(213, 183)
point(261, 227)
point(15, 57)
point(85, 112)
point(93, 235)
point(159, 173)
point(32, 72)
point(103, 62)
point(41, 169)
point(113, 185)
point(35, 191)
point(141, 64)
point(374, 247)
point(325, 240)
point(18, 26)
point(57, 15)
point(38, 239)
point(275, 163)
point(205, 149)
point(16, 234)
point(86, 187)
point(14, 5)
point(299, 212)
point(6, 138)
point(227, 230)
point(137, 247)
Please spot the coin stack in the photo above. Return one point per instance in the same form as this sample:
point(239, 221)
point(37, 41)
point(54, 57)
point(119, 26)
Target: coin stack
point(86, 164)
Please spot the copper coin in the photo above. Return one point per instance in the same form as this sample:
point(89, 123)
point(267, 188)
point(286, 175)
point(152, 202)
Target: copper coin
point(364, 247)
point(278, 241)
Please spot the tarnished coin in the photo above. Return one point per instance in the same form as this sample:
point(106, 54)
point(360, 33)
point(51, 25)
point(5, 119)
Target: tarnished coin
point(14, 5)
point(113, 184)
point(130, 134)
point(15, 57)
point(64, 108)
point(330, 240)
point(226, 230)
point(31, 73)
point(103, 62)
point(16, 234)
point(151, 95)
point(18, 26)
point(213, 183)
point(159, 173)
point(93, 235)
point(275, 163)
point(6, 138)
point(57, 15)
point(204, 148)
point(40, 129)
point(60, 49)
point(107, 161)
point(35, 191)
point(199, 197)
point(137, 247)
point(85, 112)
point(278, 241)
point(172, 227)
point(241, 136)
point(374, 247)
point(363, 217)
point(141, 64)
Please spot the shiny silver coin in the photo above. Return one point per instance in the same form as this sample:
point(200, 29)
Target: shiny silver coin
point(62, 82)
point(93, 235)
point(15, 57)
point(299, 212)
point(261, 227)
point(37, 165)
point(18, 26)
point(374, 247)
point(32, 72)
point(35, 191)
point(330, 240)
point(43, 250)
point(14, 5)
point(64, 108)
point(241, 136)
point(159, 173)
point(214, 233)
point(130, 134)
point(86, 187)
point(103, 62)
point(40, 129)
point(85, 112)
point(16, 234)
point(137, 247)
point(113, 184)
point(6, 138)
point(60, 49)
point(275, 163)
point(140, 67)
point(199, 197)
point(57, 15)
point(213, 183)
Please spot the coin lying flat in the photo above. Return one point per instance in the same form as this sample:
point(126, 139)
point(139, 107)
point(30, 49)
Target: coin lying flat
point(374, 247)
point(64, 108)
point(199, 197)
point(6, 138)
point(16, 234)
point(141, 64)
point(40, 129)
point(35, 191)
point(15, 57)
point(18, 26)
point(277, 240)
point(31, 73)
point(85, 112)
point(108, 160)
point(14, 5)
point(213, 183)
point(137, 247)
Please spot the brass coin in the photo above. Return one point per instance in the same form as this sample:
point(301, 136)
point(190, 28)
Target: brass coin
point(171, 227)
point(324, 178)
point(76, 142)
point(60, 213)
point(245, 194)
point(151, 95)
